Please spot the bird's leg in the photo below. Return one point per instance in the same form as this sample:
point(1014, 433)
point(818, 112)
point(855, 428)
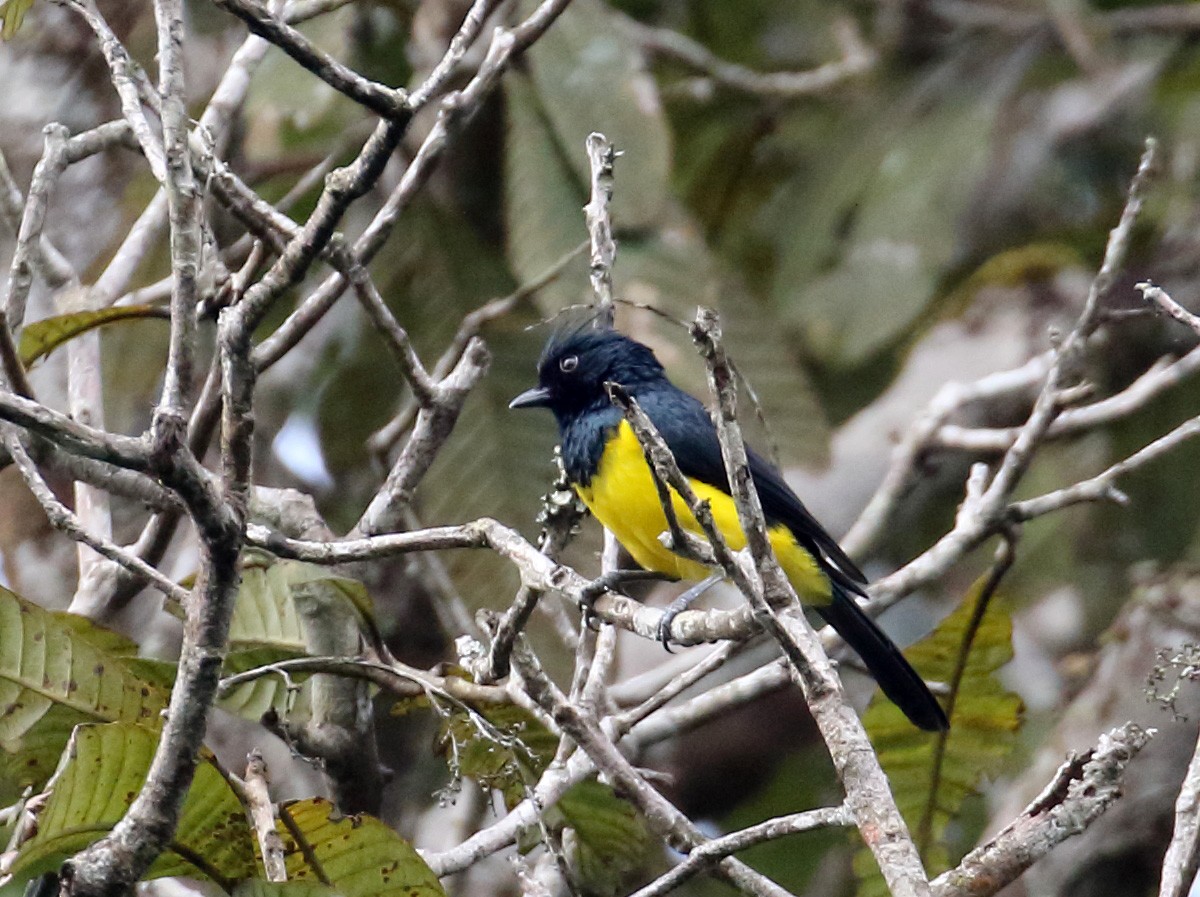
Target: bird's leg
point(680, 604)
point(612, 581)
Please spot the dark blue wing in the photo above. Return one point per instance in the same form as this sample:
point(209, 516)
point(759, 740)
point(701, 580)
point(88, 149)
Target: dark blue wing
point(692, 438)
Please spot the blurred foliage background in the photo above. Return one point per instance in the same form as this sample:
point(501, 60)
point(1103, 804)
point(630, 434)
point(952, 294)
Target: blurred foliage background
point(929, 215)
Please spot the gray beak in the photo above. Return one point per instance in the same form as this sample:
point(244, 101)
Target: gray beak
point(538, 397)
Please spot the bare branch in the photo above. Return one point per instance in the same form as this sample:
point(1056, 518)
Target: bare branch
point(1102, 487)
point(62, 518)
point(387, 102)
point(601, 156)
point(868, 796)
point(537, 571)
point(423, 386)
point(1158, 299)
point(769, 830)
point(1047, 406)
point(183, 208)
point(123, 451)
point(124, 73)
point(1083, 789)
point(33, 220)
point(256, 798)
point(472, 25)
point(453, 111)
point(857, 58)
point(430, 432)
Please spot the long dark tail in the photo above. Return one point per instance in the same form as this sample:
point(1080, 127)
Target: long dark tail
point(895, 676)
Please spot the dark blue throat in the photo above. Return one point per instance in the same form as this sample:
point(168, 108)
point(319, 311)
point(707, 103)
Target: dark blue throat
point(584, 435)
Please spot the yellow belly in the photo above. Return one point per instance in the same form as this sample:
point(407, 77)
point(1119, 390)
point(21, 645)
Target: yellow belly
point(622, 496)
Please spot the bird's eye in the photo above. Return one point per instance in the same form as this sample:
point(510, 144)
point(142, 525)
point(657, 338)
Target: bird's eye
point(568, 364)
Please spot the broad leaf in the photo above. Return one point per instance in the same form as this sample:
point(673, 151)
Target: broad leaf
point(268, 625)
point(543, 200)
point(608, 839)
point(589, 76)
point(358, 856)
point(259, 888)
point(57, 671)
point(932, 774)
point(103, 768)
point(863, 244)
point(42, 337)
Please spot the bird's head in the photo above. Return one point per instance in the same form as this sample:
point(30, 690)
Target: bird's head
point(575, 366)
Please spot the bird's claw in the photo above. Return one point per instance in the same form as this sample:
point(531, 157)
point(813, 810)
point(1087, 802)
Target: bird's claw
point(679, 605)
point(664, 627)
point(612, 581)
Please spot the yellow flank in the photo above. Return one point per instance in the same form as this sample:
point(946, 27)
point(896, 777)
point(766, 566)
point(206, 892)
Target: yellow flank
point(623, 498)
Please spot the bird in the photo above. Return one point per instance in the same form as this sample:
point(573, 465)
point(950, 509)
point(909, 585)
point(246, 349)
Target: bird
point(607, 468)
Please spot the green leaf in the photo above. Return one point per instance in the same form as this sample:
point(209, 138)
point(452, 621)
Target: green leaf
point(864, 242)
point(543, 200)
point(103, 768)
point(358, 856)
point(932, 774)
point(12, 14)
point(259, 888)
point(610, 840)
point(589, 76)
point(268, 625)
point(57, 671)
point(42, 337)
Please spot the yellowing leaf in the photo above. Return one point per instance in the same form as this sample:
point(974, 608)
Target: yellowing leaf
point(358, 856)
point(12, 14)
point(42, 337)
point(103, 769)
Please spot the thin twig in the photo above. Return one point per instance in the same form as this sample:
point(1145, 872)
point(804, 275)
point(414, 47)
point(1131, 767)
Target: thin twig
point(388, 102)
point(63, 519)
point(857, 59)
point(1158, 299)
point(768, 830)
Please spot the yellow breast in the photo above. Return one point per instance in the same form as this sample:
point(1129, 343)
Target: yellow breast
point(623, 497)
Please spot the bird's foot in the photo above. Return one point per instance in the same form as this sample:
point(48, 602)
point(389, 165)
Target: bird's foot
point(613, 581)
point(680, 604)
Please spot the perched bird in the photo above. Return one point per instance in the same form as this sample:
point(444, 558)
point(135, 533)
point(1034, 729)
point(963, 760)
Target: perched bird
point(605, 465)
